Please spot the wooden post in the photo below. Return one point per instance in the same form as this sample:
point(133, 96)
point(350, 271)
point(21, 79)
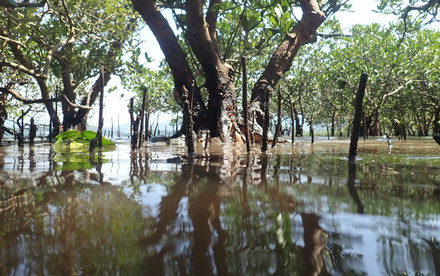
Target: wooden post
point(144, 95)
point(292, 118)
point(98, 138)
point(187, 108)
point(50, 129)
point(20, 136)
point(134, 126)
point(357, 116)
point(278, 126)
point(147, 129)
point(101, 109)
point(119, 129)
point(32, 132)
point(111, 131)
point(266, 123)
point(245, 106)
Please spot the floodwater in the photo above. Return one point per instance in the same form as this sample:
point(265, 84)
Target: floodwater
point(297, 210)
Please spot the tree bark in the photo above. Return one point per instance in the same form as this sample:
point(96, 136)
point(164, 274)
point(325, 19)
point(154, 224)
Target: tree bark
point(175, 57)
point(282, 58)
point(222, 106)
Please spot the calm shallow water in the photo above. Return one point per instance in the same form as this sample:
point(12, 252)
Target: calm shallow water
point(298, 210)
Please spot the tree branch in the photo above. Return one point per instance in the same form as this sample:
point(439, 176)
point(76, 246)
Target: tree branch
point(7, 39)
point(332, 35)
point(76, 105)
point(211, 19)
point(17, 96)
point(198, 35)
point(70, 39)
point(21, 68)
point(426, 7)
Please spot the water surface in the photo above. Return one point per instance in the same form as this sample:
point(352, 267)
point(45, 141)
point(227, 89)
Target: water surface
point(297, 210)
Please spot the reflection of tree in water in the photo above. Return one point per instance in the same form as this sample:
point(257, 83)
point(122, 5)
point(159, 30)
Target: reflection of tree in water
point(68, 222)
point(201, 183)
point(244, 242)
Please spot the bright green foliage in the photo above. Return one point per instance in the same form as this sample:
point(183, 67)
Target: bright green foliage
point(159, 85)
point(403, 77)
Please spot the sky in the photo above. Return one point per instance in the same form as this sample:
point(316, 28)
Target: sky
point(362, 13)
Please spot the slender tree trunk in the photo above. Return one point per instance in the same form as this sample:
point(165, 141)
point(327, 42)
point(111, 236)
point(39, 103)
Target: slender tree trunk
point(49, 107)
point(282, 58)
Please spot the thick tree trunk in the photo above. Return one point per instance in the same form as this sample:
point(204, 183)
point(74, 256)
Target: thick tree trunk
point(281, 60)
point(175, 57)
point(222, 105)
point(371, 125)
